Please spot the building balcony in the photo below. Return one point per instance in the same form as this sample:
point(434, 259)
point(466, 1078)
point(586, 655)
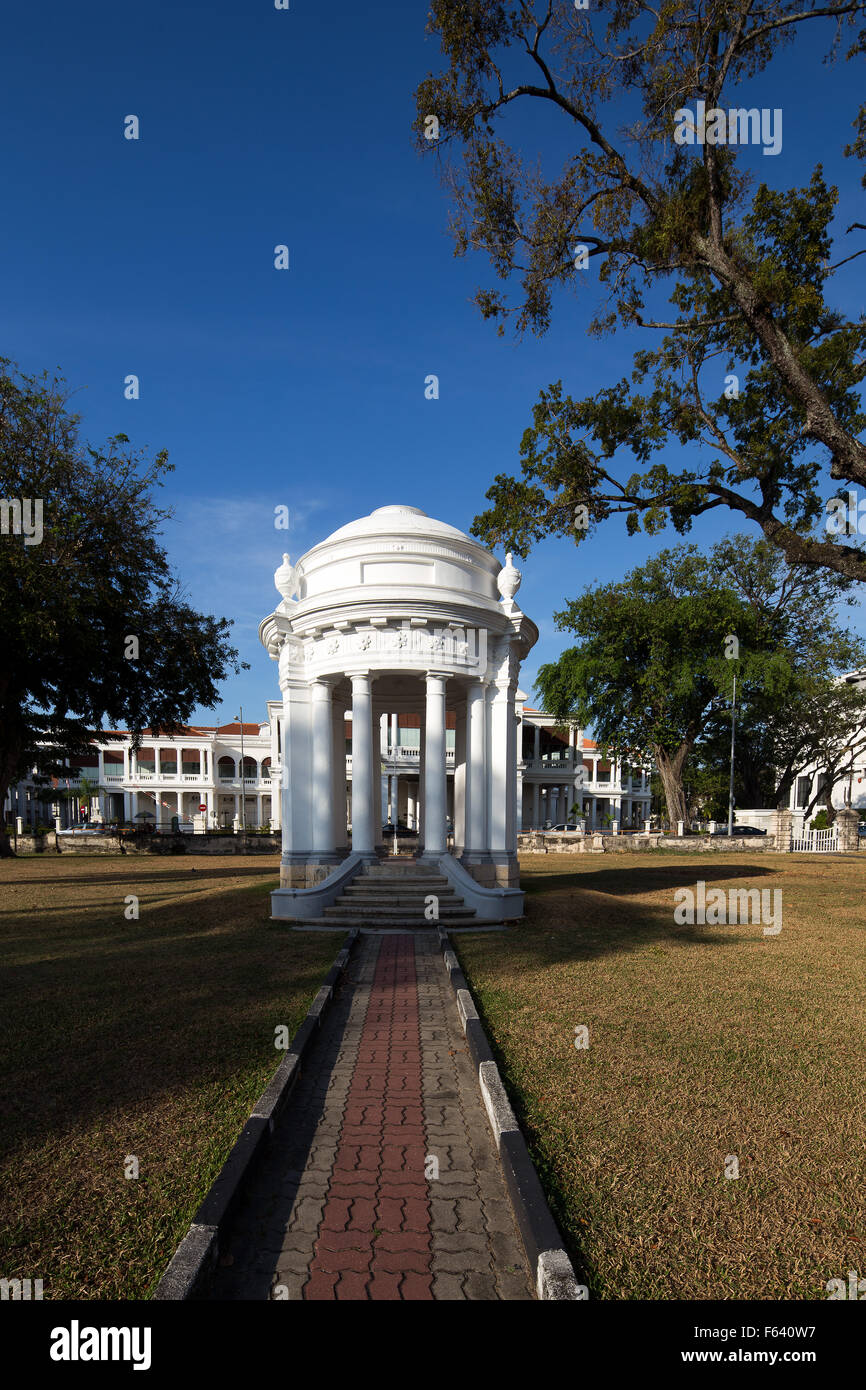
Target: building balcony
point(405, 760)
point(264, 783)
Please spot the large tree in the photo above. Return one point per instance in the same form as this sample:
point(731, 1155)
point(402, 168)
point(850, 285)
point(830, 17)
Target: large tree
point(756, 372)
point(93, 623)
point(654, 669)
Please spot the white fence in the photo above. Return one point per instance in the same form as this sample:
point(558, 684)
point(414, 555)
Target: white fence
point(815, 841)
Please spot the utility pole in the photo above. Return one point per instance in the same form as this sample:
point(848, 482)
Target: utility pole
point(731, 784)
point(243, 793)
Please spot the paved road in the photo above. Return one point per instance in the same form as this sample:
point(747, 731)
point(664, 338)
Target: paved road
point(346, 1203)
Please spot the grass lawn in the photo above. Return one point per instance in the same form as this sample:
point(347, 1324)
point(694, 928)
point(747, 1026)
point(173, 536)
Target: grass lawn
point(704, 1042)
point(150, 1038)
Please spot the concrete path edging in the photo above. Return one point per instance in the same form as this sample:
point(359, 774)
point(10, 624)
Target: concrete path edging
point(552, 1269)
point(198, 1252)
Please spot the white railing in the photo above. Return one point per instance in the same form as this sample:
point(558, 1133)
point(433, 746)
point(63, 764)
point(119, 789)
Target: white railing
point(112, 776)
point(816, 841)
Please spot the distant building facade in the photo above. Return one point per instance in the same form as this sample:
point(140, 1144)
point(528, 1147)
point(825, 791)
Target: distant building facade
point(849, 790)
point(195, 777)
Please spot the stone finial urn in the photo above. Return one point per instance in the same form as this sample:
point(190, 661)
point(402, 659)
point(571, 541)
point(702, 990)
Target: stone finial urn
point(509, 578)
point(286, 579)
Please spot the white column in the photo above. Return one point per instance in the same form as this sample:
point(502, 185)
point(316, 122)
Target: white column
point(536, 752)
point(362, 765)
point(459, 781)
point(435, 776)
point(394, 735)
point(536, 807)
point(420, 802)
point(323, 769)
point(411, 810)
point(338, 740)
point(476, 768)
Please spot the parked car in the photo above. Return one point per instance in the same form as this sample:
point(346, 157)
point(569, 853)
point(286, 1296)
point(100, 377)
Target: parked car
point(568, 827)
point(400, 828)
point(742, 830)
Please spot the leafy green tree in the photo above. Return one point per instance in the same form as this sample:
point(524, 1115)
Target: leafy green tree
point(87, 791)
point(93, 623)
point(799, 712)
point(659, 650)
point(755, 373)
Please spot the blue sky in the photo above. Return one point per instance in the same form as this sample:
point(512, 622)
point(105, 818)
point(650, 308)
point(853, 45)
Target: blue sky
point(303, 388)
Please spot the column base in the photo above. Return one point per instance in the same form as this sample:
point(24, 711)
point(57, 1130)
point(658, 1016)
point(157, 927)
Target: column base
point(306, 870)
point(492, 870)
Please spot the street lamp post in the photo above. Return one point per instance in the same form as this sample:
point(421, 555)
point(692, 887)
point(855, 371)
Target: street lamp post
point(731, 783)
point(243, 793)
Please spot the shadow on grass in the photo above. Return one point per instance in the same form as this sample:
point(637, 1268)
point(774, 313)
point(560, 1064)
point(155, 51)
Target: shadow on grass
point(130, 869)
point(591, 913)
point(114, 1013)
point(637, 878)
point(586, 915)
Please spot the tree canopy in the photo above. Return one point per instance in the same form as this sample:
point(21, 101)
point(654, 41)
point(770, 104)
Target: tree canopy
point(93, 623)
point(756, 372)
point(653, 672)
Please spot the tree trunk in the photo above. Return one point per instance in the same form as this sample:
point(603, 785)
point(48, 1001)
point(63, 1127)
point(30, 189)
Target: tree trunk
point(6, 850)
point(670, 768)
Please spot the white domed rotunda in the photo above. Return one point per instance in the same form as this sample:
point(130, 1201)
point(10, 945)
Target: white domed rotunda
point(397, 615)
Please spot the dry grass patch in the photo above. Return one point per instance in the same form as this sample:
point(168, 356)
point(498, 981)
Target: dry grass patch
point(151, 1037)
point(704, 1042)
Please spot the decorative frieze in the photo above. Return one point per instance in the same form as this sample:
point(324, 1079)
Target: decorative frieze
point(458, 649)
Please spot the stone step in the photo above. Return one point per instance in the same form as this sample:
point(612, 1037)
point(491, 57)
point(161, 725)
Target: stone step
point(442, 890)
point(400, 866)
point(397, 902)
point(338, 924)
point(347, 911)
point(430, 877)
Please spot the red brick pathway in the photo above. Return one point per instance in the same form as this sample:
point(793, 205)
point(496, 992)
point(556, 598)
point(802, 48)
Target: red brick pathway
point(375, 1239)
point(342, 1204)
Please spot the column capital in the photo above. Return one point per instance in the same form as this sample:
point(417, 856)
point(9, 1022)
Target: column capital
point(321, 689)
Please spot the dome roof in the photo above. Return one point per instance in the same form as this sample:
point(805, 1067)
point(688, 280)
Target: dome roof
point(396, 554)
point(392, 576)
point(397, 519)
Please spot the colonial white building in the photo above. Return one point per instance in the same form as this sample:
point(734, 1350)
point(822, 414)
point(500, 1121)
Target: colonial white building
point(563, 774)
point(848, 790)
point(193, 778)
point(558, 769)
